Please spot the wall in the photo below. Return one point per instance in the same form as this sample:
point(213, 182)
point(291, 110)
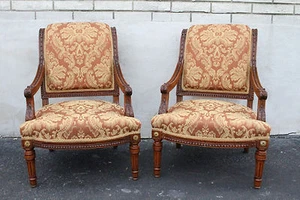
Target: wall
point(149, 33)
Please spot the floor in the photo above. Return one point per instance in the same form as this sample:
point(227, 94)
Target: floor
point(187, 173)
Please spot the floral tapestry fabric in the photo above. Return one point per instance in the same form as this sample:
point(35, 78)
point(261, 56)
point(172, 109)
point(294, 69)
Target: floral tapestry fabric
point(78, 56)
point(211, 120)
point(80, 120)
point(217, 58)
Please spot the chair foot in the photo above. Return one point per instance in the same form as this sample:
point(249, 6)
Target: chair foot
point(178, 146)
point(157, 148)
point(33, 183)
point(51, 150)
point(30, 160)
point(135, 178)
point(115, 147)
point(257, 183)
point(134, 154)
point(156, 173)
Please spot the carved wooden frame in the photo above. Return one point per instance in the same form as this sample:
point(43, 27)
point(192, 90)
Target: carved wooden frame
point(38, 82)
point(255, 87)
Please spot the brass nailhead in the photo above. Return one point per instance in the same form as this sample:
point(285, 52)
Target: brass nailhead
point(263, 143)
point(156, 134)
point(135, 137)
point(26, 143)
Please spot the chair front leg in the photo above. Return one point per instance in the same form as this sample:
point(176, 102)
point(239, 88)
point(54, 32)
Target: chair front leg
point(157, 148)
point(260, 157)
point(134, 154)
point(30, 160)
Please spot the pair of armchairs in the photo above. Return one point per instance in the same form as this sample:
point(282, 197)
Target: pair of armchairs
point(81, 60)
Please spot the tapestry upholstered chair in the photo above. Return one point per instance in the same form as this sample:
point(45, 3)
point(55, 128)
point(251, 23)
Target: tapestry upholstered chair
point(79, 59)
point(214, 61)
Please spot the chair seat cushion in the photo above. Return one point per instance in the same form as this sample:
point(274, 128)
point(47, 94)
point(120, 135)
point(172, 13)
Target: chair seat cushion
point(211, 120)
point(80, 121)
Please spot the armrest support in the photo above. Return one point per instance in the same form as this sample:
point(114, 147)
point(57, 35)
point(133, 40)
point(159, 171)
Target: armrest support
point(261, 94)
point(126, 89)
point(30, 91)
point(168, 86)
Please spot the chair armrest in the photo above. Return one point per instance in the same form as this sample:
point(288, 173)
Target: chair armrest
point(125, 88)
point(261, 94)
point(168, 86)
point(30, 91)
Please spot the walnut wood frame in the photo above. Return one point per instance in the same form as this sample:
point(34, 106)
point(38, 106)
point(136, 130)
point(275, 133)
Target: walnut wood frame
point(255, 87)
point(39, 82)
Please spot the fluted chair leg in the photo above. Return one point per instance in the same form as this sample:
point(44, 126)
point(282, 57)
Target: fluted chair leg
point(260, 157)
point(157, 148)
point(134, 154)
point(30, 160)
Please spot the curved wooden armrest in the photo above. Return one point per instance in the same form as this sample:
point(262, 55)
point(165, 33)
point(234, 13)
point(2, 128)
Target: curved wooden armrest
point(31, 90)
point(124, 86)
point(261, 94)
point(168, 86)
point(126, 89)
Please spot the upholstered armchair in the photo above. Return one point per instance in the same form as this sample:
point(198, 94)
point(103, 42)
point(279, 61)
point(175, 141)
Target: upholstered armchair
point(217, 64)
point(79, 60)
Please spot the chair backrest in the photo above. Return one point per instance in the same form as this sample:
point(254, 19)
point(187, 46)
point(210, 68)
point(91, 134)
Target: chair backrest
point(78, 58)
point(217, 60)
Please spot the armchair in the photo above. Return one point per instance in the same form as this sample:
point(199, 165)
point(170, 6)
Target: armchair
point(79, 60)
point(215, 61)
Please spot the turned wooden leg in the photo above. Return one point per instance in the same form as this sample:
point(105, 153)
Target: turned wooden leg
point(260, 157)
point(246, 150)
point(178, 146)
point(157, 148)
point(30, 159)
point(134, 154)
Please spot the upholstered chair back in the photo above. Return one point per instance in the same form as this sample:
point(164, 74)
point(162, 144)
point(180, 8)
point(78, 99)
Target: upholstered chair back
point(217, 58)
point(78, 57)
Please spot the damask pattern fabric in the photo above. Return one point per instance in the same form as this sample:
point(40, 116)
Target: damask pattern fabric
point(78, 56)
point(211, 120)
point(80, 120)
point(217, 58)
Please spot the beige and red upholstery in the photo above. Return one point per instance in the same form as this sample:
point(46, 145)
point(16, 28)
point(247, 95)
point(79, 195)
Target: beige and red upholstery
point(215, 60)
point(211, 120)
point(79, 59)
point(80, 121)
point(78, 56)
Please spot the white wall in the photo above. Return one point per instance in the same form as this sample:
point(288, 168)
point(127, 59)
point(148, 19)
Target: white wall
point(148, 48)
